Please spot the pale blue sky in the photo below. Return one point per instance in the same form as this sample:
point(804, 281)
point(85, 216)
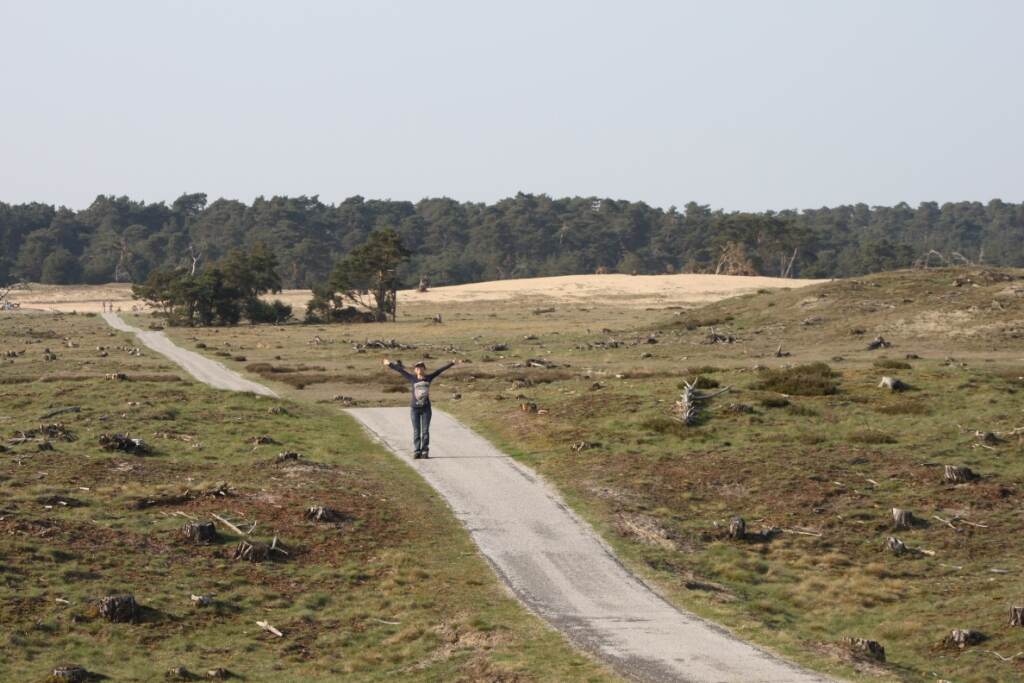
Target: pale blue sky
point(741, 105)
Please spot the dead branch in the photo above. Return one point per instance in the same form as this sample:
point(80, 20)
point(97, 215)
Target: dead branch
point(228, 524)
point(270, 629)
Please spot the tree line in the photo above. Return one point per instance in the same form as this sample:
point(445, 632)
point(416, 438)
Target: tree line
point(451, 242)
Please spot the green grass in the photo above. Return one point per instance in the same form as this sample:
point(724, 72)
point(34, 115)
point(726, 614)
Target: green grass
point(397, 591)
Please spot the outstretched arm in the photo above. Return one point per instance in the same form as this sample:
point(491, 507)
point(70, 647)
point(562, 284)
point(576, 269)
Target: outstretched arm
point(397, 367)
point(441, 369)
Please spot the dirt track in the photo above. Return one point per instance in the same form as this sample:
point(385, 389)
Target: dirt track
point(553, 562)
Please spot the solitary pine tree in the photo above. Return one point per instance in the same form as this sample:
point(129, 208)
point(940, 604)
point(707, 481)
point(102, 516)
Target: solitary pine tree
point(368, 275)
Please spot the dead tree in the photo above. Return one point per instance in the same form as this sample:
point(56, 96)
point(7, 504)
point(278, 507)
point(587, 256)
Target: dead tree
point(200, 532)
point(687, 408)
point(733, 260)
point(119, 608)
point(194, 257)
point(903, 519)
point(958, 474)
point(1016, 616)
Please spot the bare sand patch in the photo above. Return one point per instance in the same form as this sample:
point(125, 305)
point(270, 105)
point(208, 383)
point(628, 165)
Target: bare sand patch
point(683, 288)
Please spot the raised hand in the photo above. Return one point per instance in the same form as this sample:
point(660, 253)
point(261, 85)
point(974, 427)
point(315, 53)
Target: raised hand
point(387, 362)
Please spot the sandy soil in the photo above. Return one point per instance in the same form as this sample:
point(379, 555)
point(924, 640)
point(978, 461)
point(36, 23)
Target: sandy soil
point(685, 288)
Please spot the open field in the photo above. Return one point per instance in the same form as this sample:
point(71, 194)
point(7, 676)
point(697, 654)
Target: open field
point(640, 289)
point(822, 455)
point(391, 589)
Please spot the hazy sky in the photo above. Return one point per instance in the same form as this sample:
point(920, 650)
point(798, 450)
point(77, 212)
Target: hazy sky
point(741, 105)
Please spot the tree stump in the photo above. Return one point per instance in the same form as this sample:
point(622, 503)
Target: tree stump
point(288, 456)
point(179, 673)
point(528, 407)
point(200, 532)
point(961, 638)
point(955, 474)
point(871, 649)
point(119, 608)
point(893, 384)
point(878, 342)
point(1016, 616)
point(251, 551)
point(69, 674)
point(902, 519)
point(895, 545)
point(737, 528)
point(319, 513)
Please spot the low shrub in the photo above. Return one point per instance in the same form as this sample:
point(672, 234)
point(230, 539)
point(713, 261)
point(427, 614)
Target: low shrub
point(812, 379)
point(889, 364)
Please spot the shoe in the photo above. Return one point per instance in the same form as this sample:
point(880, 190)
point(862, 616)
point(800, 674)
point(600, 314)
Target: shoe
point(417, 455)
point(425, 454)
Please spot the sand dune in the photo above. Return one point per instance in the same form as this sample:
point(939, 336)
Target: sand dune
point(685, 288)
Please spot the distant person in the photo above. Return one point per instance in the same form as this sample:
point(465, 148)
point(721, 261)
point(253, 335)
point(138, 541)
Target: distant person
point(420, 406)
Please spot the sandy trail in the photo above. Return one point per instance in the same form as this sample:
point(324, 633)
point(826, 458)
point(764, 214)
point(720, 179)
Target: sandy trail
point(202, 368)
point(550, 559)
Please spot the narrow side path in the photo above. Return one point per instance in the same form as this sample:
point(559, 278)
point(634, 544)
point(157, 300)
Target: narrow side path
point(202, 368)
point(550, 559)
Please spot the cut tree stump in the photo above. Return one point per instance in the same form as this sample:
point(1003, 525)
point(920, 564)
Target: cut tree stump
point(251, 551)
point(961, 638)
point(893, 384)
point(319, 513)
point(956, 474)
point(70, 674)
point(878, 342)
point(119, 608)
point(287, 456)
point(200, 532)
point(896, 546)
point(1016, 616)
point(737, 528)
point(871, 649)
point(902, 519)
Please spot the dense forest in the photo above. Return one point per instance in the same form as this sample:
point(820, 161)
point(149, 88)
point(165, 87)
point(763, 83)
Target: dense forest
point(118, 239)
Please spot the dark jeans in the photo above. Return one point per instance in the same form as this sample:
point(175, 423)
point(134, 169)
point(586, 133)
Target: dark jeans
point(421, 429)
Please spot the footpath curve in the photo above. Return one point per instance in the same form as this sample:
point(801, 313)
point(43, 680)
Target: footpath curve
point(551, 560)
